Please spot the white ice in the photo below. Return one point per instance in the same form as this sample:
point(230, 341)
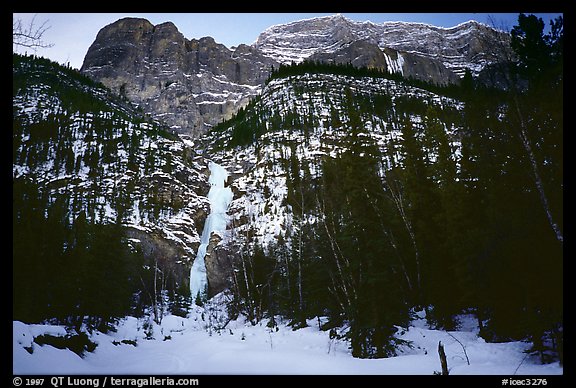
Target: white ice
point(220, 197)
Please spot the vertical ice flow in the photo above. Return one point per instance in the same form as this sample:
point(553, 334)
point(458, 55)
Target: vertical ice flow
point(219, 197)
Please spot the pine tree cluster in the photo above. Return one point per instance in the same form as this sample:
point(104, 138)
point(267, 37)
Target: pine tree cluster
point(449, 229)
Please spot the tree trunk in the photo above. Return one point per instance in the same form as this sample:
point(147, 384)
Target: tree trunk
point(247, 284)
point(537, 179)
point(300, 247)
point(399, 202)
point(443, 361)
point(155, 305)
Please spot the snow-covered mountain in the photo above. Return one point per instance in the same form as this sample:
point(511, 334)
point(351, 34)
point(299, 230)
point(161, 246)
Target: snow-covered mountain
point(192, 85)
point(470, 45)
point(329, 171)
point(348, 193)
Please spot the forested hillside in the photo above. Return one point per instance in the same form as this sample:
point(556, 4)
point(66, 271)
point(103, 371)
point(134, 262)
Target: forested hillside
point(367, 197)
point(100, 195)
point(371, 206)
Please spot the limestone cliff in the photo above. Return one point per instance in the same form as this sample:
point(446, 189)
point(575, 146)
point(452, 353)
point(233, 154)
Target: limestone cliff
point(190, 85)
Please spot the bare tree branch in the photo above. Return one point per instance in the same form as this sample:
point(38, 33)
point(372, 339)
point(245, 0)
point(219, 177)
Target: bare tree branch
point(463, 347)
point(30, 36)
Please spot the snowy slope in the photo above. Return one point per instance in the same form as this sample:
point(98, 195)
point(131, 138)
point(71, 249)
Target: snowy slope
point(260, 171)
point(196, 348)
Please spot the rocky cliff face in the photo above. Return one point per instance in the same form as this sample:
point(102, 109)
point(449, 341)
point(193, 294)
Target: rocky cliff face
point(191, 85)
point(469, 45)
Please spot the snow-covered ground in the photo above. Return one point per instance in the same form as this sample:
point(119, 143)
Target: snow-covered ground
point(192, 346)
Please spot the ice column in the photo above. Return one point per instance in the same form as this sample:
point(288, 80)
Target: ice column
point(219, 197)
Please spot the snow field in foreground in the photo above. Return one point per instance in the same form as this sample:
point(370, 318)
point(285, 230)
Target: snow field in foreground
point(186, 346)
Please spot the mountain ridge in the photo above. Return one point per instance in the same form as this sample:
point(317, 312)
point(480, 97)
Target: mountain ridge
point(403, 36)
point(194, 84)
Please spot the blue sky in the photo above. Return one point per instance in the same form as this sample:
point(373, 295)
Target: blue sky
point(73, 33)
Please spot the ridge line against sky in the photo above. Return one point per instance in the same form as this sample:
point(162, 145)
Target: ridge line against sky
point(72, 33)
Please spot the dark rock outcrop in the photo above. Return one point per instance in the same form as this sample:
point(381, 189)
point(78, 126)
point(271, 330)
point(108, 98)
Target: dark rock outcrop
point(365, 54)
point(158, 250)
point(190, 85)
point(360, 53)
point(219, 268)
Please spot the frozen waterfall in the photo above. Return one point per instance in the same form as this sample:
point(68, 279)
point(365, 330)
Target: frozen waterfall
point(220, 198)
